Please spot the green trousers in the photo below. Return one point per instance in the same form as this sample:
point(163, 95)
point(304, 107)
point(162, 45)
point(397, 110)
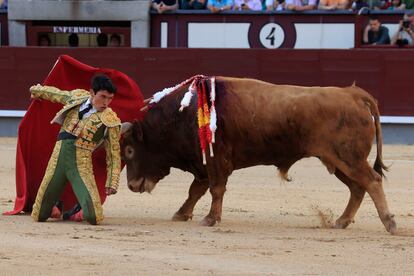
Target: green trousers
point(72, 164)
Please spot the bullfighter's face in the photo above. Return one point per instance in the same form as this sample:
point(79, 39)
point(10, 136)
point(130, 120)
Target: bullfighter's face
point(144, 167)
point(101, 99)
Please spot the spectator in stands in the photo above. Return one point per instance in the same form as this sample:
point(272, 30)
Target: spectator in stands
point(397, 5)
point(115, 40)
point(376, 4)
point(384, 4)
point(162, 6)
point(334, 4)
point(359, 4)
point(43, 40)
point(193, 4)
point(3, 4)
point(73, 40)
point(275, 5)
point(405, 33)
point(375, 33)
point(300, 5)
point(102, 40)
point(216, 6)
point(248, 5)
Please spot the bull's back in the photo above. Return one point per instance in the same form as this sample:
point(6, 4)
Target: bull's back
point(267, 123)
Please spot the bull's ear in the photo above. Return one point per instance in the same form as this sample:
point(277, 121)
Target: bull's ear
point(125, 126)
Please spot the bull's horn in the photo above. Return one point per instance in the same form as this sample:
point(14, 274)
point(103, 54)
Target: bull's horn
point(125, 126)
point(144, 108)
point(146, 101)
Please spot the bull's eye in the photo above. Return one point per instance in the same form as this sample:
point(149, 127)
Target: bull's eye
point(129, 152)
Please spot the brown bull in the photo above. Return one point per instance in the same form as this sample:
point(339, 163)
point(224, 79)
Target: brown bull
point(260, 123)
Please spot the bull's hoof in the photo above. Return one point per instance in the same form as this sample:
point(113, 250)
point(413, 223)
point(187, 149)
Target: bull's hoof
point(342, 223)
point(390, 224)
point(208, 221)
point(181, 217)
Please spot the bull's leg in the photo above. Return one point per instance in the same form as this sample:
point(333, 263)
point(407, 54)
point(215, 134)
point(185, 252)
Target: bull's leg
point(197, 189)
point(217, 193)
point(357, 195)
point(371, 181)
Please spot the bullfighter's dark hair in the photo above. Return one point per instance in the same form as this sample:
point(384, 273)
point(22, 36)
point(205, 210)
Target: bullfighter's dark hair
point(103, 82)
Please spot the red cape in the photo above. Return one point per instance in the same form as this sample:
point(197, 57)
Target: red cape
point(37, 137)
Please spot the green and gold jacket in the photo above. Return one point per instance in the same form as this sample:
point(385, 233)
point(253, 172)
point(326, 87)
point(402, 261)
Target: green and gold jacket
point(100, 127)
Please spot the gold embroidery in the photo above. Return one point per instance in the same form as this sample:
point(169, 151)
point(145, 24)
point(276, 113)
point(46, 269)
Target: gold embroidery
point(71, 121)
point(51, 166)
point(109, 118)
point(88, 136)
point(56, 95)
point(80, 143)
point(84, 165)
point(50, 93)
point(113, 157)
point(79, 93)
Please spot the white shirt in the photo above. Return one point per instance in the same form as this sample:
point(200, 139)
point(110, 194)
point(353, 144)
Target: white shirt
point(255, 5)
point(85, 105)
point(405, 35)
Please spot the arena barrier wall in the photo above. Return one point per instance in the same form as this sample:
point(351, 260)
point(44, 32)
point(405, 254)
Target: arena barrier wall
point(385, 73)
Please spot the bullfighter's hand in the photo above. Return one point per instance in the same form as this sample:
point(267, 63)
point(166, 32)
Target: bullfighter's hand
point(110, 191)
point(34, 88)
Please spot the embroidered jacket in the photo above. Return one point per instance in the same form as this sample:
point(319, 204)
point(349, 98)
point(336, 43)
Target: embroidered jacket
point(90, 132)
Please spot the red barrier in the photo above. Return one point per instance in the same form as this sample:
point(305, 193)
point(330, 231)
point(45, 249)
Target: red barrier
point(386, 73)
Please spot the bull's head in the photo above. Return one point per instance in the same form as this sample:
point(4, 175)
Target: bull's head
point(144, 159)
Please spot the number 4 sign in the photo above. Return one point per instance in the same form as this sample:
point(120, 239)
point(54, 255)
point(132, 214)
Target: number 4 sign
point(272, 36)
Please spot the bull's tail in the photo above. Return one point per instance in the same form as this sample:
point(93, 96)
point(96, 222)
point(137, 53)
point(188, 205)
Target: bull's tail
point(378, 164)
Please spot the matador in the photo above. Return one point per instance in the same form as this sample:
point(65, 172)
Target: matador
point(86, 122)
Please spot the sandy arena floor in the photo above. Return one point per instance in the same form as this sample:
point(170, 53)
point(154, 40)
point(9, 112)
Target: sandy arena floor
point(269, 227)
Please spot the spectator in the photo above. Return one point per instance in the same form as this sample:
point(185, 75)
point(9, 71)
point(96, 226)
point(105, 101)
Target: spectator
point(375, 33)
point(397, 5)
point(73, 40)
point(193, 4)
point(115, 40)
point(274, 5)
point(385, 4)
point(376, 4)
point(248, 5)
point(102, 40)
point(43, 40)
point(3, 4)
point(359, 4)
point(162, 6)
point(300, 5)
point(405, 33)
point(216, 6)
point(334, 4)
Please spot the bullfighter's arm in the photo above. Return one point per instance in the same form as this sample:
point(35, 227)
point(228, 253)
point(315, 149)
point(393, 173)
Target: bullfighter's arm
point(54, 94)
point(113, 157)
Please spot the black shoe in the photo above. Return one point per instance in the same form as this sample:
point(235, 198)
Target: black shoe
point(75, 209)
